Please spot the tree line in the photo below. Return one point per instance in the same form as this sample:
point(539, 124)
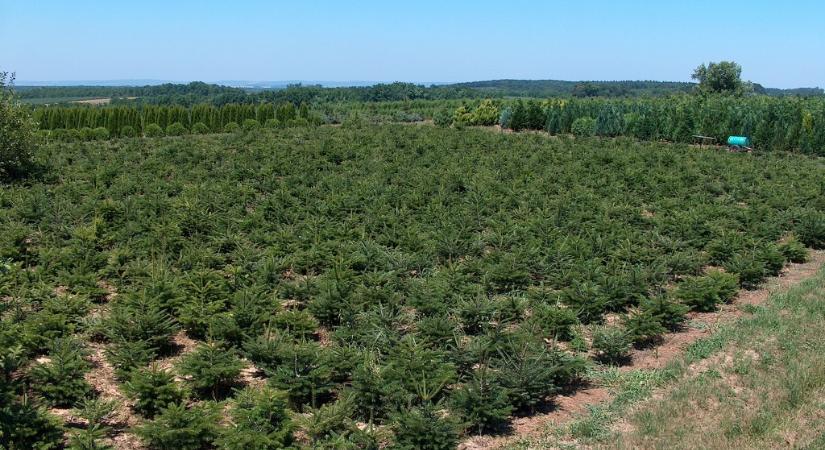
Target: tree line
point(787, 124)
point(129, 121)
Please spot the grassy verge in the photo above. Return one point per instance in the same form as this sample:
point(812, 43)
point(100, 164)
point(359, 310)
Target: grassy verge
point(758, 382)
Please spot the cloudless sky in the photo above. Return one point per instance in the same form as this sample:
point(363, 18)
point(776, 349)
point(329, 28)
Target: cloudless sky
point(778, 43)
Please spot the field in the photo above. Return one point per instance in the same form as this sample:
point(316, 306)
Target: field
point(366, 285)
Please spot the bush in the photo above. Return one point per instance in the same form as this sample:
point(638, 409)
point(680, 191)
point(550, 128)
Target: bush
point(668, 312)
point(100, 134)
point(583, 127)
point(17, 133)
point(153, 130)
point(200, 128)
point(611, 344)
point(250, 124)
point(231, 127)
point(181, 428)
point(24, 426)
point(128, 131)
point(443, 118)
point(483, 403)
point(60, 380)
point(176, 129)
point(749, 267)
point(705, 293)
point(794, 251)
point(555, 321)
point(211, 368)
point(643, 327)
point(424, 428)
point(152, 390)
point(272, 123)
point(811, 229)
point(259, 421)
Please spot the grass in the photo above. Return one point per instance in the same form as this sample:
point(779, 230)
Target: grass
point(756, 383)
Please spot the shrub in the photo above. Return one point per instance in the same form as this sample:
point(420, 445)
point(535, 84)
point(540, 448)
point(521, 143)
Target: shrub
point(137, 318)
point(176, 129)
point(231, 127)
point(443, 118)
point(771, 258)
point(17, 133)
point(60, 380)
point(181, 428)
point(588, 300)
point(250, 124)
point(749, 267)
point(126, 356)
point(793, 250)
point(153, 130)
point(200, 128)
point(272, 123)
point(128, 131)
point(583, 127)
point(424, 428)
point(555, 321)
point(482, 402)
point(704, 293)
point(152, 389)
point(210, 368)
point(668, 312)
point(306, 378)
point(611, 344)
point(24, 426)
point(298, 324)
point(100, 134)
point(259, 421)
point(643, 326)
point(811, 229)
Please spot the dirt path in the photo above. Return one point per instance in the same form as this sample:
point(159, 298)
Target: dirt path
point(673, 346)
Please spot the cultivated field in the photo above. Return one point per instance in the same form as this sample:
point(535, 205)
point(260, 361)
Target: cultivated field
point(364, 286)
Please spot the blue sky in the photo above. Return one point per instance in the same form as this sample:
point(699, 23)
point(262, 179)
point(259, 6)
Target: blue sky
point(779, 44)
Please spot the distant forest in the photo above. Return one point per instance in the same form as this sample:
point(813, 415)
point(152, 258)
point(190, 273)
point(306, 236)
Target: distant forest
point(199, 92)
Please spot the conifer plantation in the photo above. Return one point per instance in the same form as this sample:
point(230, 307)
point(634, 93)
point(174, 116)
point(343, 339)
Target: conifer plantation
point(367, 285)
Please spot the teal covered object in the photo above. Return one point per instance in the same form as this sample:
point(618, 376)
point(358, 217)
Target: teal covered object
point(740, 141)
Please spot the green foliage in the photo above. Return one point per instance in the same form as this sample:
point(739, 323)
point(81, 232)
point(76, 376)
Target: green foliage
point(210, 368)
point(24, 426)
point(152, 389)
point(811, 229)
point(60, 379)
point(721, 77)
point(153, 130)
point(180, 428)
point(200, 128)
point(424, 428)
point(259, 420)
point(555, 321)
point(128, 131)
point(748, 267)
point(482, 402)
point(231, 127)
point(250, 124)
point(643, 326)
point(612, 344)
point(443, 118)
point(793, 250)
point(705, 293)
point(583, 127)
point(176, 129)
point(17, 133)
point(669, 312)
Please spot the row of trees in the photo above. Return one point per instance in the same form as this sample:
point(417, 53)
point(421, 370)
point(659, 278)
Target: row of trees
point(789, 124)
point(126, 121)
